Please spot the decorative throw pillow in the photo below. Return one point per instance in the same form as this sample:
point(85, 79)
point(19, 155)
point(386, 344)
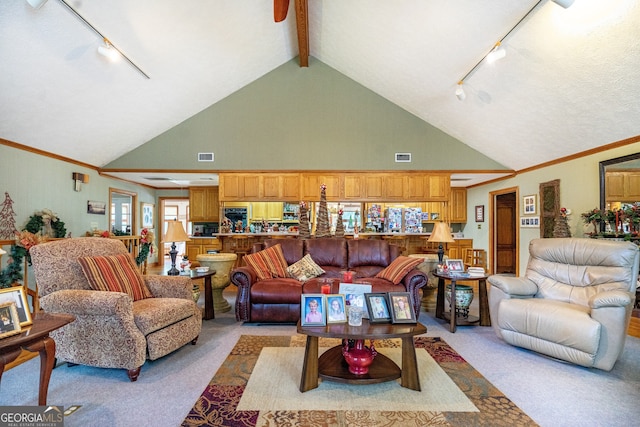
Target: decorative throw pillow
point(398, 268)
point(116, 273)
point(305, 269)
point(268, 263)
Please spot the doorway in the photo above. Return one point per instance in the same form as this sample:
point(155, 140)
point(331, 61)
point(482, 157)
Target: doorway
point(172, 209)
point(504, 242)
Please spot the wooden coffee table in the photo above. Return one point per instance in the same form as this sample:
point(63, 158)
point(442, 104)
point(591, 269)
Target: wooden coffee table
point(332, 365)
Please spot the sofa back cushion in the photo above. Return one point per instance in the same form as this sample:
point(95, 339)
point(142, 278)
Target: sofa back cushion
point(327, 252)
point(56, 265)
point(292, 249)
point(574, 269)
point(368, 253)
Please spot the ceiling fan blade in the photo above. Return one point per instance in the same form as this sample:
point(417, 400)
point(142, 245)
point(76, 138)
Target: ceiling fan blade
point(280, 8)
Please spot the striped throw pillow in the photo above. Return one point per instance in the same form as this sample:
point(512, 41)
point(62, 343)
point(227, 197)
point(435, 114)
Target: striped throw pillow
point(115, 273)
point(399, 268)
point(268, 263)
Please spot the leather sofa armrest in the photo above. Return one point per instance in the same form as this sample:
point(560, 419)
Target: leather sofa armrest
point(413, 281)
point(516, 286)
point(88, 303)
point(615, 298)
point(170, 286)
point(243, 278)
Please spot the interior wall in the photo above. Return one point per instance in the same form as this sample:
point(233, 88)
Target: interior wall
point(579, 192)
point(311, 118)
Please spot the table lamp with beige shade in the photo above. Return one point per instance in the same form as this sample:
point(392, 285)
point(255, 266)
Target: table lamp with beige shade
point(175, 233)
point(441, 234)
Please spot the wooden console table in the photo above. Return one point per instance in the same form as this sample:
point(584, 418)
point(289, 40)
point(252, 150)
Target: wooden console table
point(36, 338)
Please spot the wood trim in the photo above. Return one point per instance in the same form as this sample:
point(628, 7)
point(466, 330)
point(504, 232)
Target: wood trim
point(45, 154)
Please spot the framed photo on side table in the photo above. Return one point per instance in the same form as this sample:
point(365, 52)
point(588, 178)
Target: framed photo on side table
point(454, 265)
point(378, 307)
point(313, 310)
point(9, 320)
point(18, 295)
point(401, 307)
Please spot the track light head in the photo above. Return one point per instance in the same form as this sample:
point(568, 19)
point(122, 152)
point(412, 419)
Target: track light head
point(460, 92)
point(496, 53)
point(36, 4)
point(108, 50)
point(564, 3)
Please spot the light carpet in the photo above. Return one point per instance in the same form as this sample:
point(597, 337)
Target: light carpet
point(276, 377)
point(220, 402)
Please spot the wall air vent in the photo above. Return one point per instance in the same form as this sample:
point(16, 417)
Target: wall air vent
point(205, 157)
point(403, 157)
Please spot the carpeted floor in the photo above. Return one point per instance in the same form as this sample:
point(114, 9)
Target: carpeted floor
point(481, 404)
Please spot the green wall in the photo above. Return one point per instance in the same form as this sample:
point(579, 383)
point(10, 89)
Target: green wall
point(311, 118)
point(579, 192)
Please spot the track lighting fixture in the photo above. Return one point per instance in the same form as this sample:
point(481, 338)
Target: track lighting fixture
point(460, 92)
point(108, 49)
point(497, 51)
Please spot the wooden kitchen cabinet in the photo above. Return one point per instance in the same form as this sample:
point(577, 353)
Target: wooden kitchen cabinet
point(270, 211)
point(457, 249)
point(281, 187)
point(310, 186)
point(439, 188)
point(197, 246)
point(458, 205)
point(239, 186)
point(203, 204)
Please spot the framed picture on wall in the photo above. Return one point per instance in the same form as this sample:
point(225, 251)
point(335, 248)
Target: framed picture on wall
point(480, 213)
point(148, 216)
point(529, 204)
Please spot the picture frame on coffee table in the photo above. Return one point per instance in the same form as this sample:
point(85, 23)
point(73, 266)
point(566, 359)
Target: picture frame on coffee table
point(18, 295)
point(401, 308)
point(336, 308)
point(9, 320)
point(313, 310)
point(354, 295)
point(378, 307)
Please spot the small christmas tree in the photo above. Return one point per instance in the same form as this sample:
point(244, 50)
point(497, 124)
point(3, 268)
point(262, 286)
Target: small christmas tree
point(339, 224)
point(303, 227)
point(323, 226)
point(8, 228)
point(561, 226)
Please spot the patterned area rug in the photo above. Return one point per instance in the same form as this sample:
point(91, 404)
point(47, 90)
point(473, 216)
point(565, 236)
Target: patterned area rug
point(217, 406)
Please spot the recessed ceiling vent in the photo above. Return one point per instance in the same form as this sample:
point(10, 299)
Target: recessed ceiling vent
point(205, 157)
point(403, 157)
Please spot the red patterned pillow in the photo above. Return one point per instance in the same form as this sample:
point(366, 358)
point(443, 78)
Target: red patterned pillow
point(268, 263)
point(399, 268)
point(115, 273)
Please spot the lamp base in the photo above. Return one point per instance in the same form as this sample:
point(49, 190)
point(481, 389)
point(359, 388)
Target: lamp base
point(173, 253)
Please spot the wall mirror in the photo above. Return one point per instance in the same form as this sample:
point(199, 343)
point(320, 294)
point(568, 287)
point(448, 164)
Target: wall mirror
point(122, 212)
point(619, 181)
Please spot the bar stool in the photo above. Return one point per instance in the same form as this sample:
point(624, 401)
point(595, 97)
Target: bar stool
point(241, 246)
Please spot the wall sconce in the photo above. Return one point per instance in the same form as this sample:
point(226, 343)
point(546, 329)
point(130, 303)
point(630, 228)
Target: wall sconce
point(79, 178)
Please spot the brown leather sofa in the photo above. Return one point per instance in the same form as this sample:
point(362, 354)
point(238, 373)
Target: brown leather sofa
point(277, 300)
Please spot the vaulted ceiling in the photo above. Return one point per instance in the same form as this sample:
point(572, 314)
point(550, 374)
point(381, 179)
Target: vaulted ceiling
point(570, 81)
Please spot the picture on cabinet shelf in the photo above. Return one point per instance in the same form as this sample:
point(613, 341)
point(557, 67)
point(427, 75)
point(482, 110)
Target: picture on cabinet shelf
point(435, 216)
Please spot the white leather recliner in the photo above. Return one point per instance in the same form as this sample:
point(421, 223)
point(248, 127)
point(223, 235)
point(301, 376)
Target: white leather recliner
point(573, 303)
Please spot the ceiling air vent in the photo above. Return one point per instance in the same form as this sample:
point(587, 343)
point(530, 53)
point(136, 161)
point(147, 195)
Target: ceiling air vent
point(403, 157)
point(205, 157)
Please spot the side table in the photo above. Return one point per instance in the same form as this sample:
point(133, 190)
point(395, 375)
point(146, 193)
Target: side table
point(36, 338)
point(208, 293)
point(483, 320)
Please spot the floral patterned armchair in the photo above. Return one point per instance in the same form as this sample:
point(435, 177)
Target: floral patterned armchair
point(112, 330)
